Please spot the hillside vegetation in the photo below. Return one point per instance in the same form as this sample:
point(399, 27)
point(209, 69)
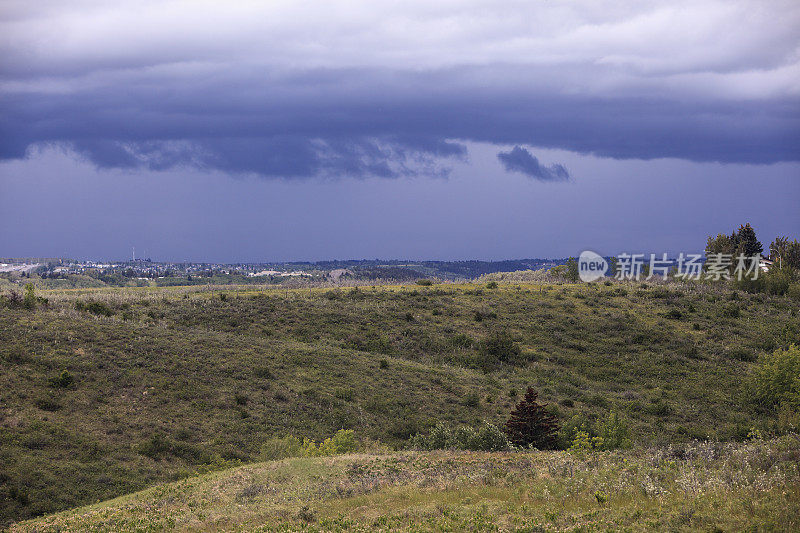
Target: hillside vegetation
point(107, 391)
point(698, 486)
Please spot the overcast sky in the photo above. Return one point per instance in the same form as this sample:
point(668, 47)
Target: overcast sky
point(444, 130)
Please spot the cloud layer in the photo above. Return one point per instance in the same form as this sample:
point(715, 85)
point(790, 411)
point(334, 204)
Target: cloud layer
point(361, 89)
point(521, 160)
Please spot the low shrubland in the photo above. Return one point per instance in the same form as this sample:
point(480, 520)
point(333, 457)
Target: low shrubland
point(108, 391)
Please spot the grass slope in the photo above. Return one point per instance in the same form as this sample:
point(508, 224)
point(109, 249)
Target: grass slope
point(162, 382)
point(699, 486)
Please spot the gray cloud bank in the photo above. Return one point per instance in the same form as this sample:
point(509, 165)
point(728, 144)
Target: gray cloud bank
point(521, 160)
point(281, 91)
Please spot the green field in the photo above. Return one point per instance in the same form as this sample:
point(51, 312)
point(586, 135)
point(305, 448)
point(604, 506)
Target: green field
point(108, 391)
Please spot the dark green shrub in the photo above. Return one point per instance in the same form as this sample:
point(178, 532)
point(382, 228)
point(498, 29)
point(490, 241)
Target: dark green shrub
point(777, 281)
point(263, 372)
point(29, 300)
point(730, 311)
point(424, 282)
point(462, 340)
point(491, 285)
point(658, 408)
point(158, 447)
point(794, 291)
point(95, 308)
point(47, 403)
point(347, 395)
point(674, 314)
point(742, 354)
point(155, 447)
point(499, 348)
point(472, 399)
point(384, 364)
point(63, 381)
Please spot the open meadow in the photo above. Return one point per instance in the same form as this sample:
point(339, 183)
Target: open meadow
point(108, 391)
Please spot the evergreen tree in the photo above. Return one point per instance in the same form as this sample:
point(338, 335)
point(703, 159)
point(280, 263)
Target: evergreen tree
point(746, 241)
point(531, 425)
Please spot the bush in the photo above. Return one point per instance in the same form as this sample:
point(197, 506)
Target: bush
point(776, 380)
point(583, 443)
point(13, 299)
point(347, 395)
point(424, 282)
point(730, 311)
point(486, 437)
point(62, 381)
point(794, 291)
point(777, 281)
point(498, 348)
point(608, 434)
point(95, 308)
point(158, 447)
point(263, 372)
point(614, 433)
point(472, 399)
point(29, 300)
point(491, 285)
point(281, 448)
point(343, 441)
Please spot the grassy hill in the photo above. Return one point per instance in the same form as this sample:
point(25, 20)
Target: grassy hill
point(700, 486)
point(107, 391)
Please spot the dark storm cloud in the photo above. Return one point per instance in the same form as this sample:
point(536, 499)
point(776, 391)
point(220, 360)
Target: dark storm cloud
point(276, 156)
point(376, 128)
point(521, 160)
point(280, 90)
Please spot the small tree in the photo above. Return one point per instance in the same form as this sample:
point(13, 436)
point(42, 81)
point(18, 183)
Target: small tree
point(29, 301)
point(573, 273)
point(746, 241)
point(531, 425)
point(785, 252)
point(721, 244)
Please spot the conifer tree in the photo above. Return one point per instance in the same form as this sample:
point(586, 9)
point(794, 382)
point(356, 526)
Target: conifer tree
point(531, 425)
point(746, 241)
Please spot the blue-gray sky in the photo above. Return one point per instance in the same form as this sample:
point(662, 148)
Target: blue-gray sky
point(443, 130)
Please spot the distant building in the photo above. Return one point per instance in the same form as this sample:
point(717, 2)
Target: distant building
point(765, 263)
